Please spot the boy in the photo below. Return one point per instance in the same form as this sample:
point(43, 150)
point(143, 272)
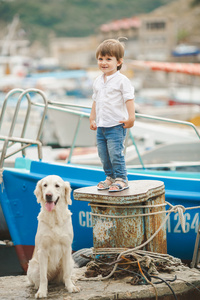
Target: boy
point(111, 114)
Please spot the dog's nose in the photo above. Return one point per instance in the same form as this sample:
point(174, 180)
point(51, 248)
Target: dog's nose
point(49, 197)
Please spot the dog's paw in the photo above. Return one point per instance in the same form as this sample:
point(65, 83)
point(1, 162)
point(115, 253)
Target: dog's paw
point(29, 283)
point(41, 294)
point(72, 288)
point(32, 285)
point(76, 289)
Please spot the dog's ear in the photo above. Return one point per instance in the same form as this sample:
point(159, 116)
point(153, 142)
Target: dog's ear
point(68, 193)
point(38, 191)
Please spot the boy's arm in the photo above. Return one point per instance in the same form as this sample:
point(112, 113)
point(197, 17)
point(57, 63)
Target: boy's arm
point(131, 114)
point(92, 119)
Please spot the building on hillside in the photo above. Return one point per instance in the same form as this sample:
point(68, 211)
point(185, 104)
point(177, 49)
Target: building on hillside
point(157, 37)
point(149, 37)
point(152, 36)
point(74, 53)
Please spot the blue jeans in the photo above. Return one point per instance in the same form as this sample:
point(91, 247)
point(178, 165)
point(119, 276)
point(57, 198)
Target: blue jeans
point(110, 144)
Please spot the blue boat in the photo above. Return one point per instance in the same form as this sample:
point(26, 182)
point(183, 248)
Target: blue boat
point(20, 207)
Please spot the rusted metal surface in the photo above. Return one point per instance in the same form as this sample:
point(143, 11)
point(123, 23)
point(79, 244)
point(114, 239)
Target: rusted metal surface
point(117, 232)
point(152, 223)
point(116, 223)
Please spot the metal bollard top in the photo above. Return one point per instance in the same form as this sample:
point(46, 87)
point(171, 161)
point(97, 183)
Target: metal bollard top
point(138, 191)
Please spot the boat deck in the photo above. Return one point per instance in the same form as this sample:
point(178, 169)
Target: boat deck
point(17, 288)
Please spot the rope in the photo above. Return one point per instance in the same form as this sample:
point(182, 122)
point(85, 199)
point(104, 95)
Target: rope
point(131, 250)
point(177, 208)
point(180, 209)
point(128, 216)
point(129, 206)
point(1, 179)
point(1, 175)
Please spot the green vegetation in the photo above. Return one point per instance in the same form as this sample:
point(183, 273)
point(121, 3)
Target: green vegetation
point(75, 18)
point(195, 2)
point(182, 35)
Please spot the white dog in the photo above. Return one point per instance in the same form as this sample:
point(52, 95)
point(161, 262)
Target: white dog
point(52, 257)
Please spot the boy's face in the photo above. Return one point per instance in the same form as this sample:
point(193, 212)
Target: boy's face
point(108, 64)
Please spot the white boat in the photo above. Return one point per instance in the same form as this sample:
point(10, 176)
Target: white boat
point(150, 134)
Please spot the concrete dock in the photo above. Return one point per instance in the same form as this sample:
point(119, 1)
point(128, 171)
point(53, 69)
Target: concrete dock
point(16, 287)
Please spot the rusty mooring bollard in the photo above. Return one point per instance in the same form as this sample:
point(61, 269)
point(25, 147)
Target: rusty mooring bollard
point(129, 218)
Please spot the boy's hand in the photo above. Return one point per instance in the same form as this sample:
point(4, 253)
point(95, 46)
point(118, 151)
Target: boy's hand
point(127, 123)
point(93, 125)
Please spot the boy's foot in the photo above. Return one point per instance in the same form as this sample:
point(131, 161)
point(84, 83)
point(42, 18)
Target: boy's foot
point(118, 186)
point(104, 185)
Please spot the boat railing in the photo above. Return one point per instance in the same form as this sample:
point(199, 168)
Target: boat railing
point(9, 140)
point(58, 105)
point(78, 110)
point(71, 108)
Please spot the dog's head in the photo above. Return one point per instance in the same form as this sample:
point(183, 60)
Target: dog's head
point(52, 189)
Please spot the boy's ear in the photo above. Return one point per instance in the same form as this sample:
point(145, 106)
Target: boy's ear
point(120, 61)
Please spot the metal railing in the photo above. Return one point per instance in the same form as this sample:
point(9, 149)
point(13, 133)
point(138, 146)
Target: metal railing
point(64, 107)
point(9, 140)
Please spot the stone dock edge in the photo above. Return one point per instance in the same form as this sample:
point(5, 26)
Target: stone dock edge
point(185, 287)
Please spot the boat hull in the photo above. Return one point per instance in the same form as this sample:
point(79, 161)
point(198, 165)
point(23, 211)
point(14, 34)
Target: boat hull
point(20, 207)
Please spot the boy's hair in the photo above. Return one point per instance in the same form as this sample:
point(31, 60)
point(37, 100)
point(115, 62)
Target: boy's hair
point(111, 47)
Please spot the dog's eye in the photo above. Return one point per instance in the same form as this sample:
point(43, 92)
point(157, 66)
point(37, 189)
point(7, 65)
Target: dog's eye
point(45, 185)
point(57, 186)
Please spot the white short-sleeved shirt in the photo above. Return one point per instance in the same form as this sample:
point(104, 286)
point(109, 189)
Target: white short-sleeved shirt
point(111, 97)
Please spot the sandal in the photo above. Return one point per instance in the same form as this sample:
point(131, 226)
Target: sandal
point(119, 186)
point(105, 185)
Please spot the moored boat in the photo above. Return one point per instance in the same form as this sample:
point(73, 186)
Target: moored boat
point(20, 207)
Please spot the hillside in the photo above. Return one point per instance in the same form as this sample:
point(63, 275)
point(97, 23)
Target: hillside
point(187, 14)
point(72, 18)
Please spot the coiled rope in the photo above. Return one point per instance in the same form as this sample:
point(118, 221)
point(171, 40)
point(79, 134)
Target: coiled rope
point(180, 209)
